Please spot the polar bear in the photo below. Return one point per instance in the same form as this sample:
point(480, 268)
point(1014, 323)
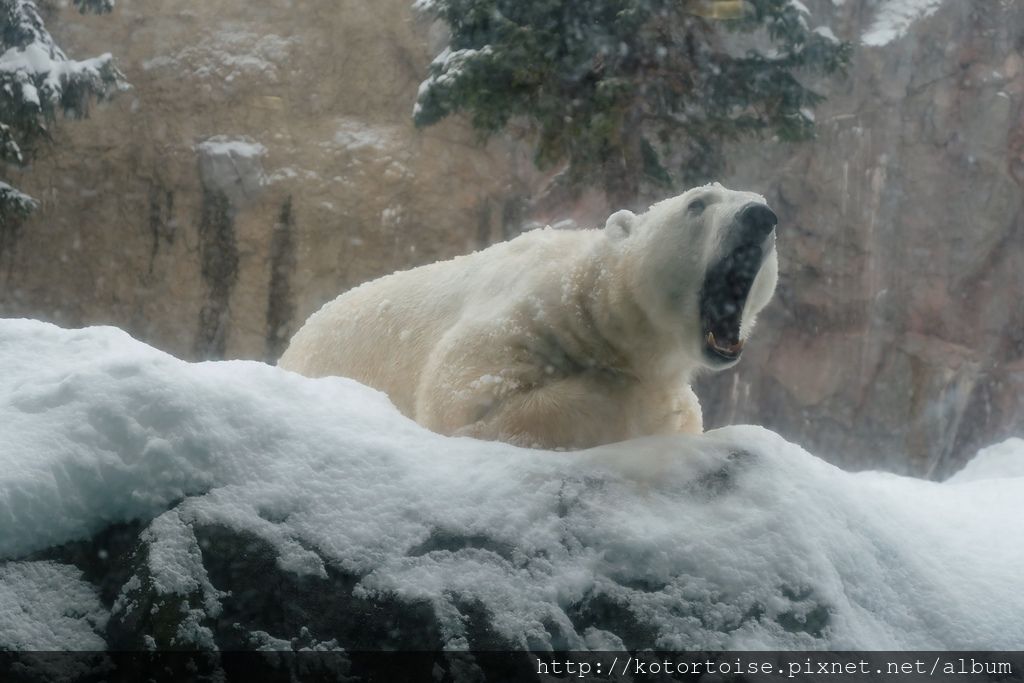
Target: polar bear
point(560, 338)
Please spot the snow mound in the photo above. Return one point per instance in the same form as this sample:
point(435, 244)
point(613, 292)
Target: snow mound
point(731, 540)
point(1001, 461)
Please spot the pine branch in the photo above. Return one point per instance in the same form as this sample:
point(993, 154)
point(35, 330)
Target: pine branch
point(38, 81)
point(582, 73)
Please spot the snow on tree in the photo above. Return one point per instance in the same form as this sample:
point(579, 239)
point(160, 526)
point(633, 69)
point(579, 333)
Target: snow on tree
point(38, 81)
point(630, 94)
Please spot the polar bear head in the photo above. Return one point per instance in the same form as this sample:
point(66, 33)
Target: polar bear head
point(701, 266)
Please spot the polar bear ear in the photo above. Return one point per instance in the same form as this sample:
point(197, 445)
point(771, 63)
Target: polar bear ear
point(620, 224)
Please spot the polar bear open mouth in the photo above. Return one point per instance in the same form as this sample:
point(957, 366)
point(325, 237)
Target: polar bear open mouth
point(722, 299)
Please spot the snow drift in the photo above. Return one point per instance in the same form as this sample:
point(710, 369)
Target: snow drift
point(731, 540)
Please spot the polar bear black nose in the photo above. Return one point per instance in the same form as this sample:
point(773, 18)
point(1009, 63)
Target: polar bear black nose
point(757, 220)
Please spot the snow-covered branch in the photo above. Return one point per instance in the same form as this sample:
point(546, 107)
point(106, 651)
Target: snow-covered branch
point(38, 81)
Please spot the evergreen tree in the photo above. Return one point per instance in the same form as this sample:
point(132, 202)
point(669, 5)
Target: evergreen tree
point(38, 81)
point(635, 95)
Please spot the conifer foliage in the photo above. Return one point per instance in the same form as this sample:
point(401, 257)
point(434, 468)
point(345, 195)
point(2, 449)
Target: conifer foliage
point(38, 82)
point(629, 94)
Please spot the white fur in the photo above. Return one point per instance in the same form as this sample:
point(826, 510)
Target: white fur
point(554, 339)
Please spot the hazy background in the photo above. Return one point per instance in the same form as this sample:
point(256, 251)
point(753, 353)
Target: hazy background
point(896, 339)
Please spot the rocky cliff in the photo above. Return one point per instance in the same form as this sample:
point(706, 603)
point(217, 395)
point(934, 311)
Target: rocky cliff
point(264, 162)
point(897, 336)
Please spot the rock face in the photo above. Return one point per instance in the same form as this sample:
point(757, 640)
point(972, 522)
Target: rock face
point(265, 162)
point(897, 336)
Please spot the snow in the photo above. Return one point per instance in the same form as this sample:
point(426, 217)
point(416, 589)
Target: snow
point(233, 165)
point(893, 18)
point(1002, 460)
point(47, 606)
point(356, 135)
point(446, 68)
point(229, 53)
point(383, 146)
point(799, 7)
point(826, 33)
point(693, 533)
point(222, 145)
point(38, 62)
point(12, 195)
point(175, 561)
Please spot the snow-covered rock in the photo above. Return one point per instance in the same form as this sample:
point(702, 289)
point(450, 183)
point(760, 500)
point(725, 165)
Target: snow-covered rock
point(231, 166)
point(234, 505)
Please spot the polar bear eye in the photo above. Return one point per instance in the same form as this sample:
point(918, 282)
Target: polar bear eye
point(696, 207)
